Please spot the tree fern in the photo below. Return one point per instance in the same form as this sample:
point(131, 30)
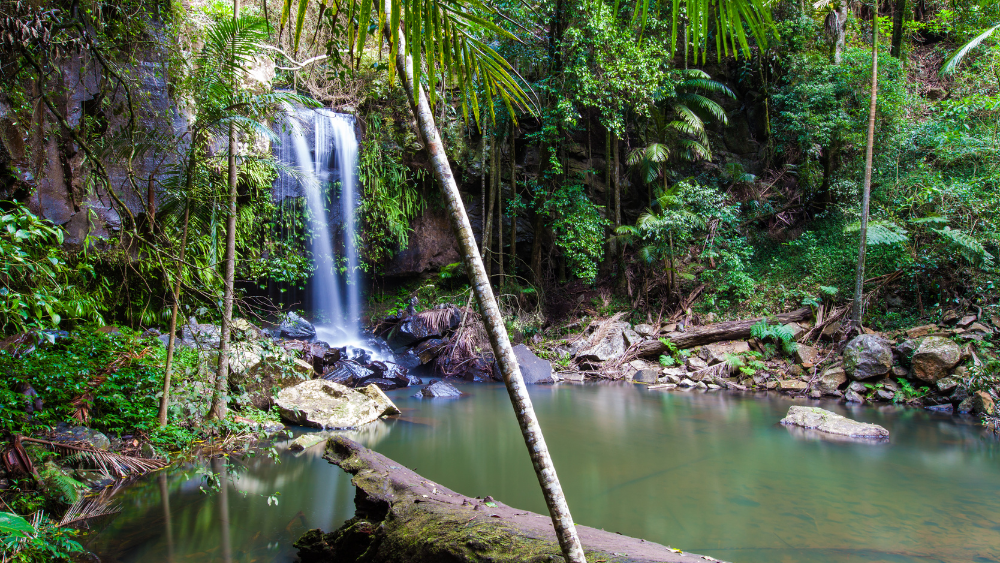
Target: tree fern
point(779, 334)
point(55, 479)
point(968, 246)
point(881, 232)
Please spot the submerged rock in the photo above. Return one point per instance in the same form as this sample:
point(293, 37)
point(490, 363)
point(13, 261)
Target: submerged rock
point(438, 389)
point(867, 356)
point(308, 440)
point(832, 423)
point(325, 404)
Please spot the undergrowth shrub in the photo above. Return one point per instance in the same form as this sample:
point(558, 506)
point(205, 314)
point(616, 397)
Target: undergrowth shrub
point(112, 381)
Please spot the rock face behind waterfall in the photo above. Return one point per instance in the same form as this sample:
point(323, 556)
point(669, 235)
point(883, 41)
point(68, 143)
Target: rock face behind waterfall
point(832, 423)
point(325, 404)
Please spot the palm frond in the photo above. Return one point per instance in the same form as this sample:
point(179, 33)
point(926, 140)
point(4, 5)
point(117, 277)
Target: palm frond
point(953, 61)
point(695, 150)
point(968, 246)
point(708, 85)
point(111, 464)
point(91, 510)
point(446, 39)
point(705, 104)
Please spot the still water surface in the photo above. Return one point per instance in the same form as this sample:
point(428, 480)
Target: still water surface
point(711, 473)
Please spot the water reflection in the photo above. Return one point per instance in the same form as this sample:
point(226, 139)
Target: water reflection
point(711, 473)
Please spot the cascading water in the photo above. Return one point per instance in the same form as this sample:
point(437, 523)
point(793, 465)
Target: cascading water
point(321, 144)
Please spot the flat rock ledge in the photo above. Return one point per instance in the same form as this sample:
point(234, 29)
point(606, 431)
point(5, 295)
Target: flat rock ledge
point(832, 423)
point(403, 518)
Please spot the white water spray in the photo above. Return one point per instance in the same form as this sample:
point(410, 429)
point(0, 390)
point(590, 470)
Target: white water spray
point(331, 157)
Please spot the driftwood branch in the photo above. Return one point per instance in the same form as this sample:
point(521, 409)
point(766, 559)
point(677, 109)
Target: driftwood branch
point(718, 332)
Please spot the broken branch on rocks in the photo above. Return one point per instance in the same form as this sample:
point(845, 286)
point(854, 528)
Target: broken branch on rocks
point(718, 332)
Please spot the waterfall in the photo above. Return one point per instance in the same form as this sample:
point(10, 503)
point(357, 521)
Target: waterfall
point(322, 146)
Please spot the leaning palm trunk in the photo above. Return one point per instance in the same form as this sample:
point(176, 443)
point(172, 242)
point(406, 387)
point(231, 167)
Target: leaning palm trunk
point(857, 308)
point(500, 342)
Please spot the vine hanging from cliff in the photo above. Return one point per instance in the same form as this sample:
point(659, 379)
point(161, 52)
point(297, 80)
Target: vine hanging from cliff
point(390, 199)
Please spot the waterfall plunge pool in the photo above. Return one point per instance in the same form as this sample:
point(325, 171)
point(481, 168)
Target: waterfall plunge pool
point(710, 473)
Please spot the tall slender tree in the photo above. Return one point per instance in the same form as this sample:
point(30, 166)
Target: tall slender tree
point(219, 400)
point(857, 307)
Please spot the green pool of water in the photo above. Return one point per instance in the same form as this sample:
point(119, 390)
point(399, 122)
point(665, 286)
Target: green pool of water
point(711, 473)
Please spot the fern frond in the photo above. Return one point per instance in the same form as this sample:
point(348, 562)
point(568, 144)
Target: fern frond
point(881, 232)
point(937, 219)
point(967, 245)
point(734, 361)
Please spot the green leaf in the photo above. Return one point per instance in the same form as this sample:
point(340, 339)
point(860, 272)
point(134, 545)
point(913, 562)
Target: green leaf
point(952, 63)
point(13, 525)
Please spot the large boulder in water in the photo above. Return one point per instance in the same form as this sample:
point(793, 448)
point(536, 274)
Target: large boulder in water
point(295, 327)
point(438, 389)
point(933, 358)
point(867, 356)
point(832, 423)
point(347, 372)
point(325, 404)
point(533, 369)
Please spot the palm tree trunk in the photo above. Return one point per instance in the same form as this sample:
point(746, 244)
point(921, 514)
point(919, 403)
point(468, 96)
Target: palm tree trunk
point(488, 236)
point(172, 344)
point(857, 308)
point(219, 401)
point(482, 189)
point(562, 521)
point(498, 186)
point(616, 181)
point(513, 195)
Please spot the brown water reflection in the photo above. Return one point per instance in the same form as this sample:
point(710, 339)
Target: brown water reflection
point(711, 473)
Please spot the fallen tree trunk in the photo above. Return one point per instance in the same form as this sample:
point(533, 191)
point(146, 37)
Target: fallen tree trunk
point(402, 517)
point(718, 332)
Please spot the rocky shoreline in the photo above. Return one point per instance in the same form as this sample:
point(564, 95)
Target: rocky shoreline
point(925, 366)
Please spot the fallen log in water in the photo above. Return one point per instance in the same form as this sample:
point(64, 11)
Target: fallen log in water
point(717, 332)
point(403, 518)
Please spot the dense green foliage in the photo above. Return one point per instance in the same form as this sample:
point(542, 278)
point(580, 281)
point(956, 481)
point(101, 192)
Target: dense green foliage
point(41, 285)
point(109, 380)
